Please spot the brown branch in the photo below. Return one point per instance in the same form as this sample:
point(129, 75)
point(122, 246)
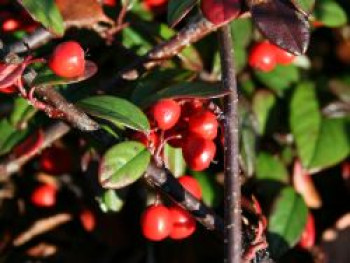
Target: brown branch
point(233, 213)
point(162, 179)
point(51, 134)
point(42, 226)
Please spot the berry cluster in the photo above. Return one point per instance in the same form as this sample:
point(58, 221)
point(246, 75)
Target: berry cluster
point(184, 124)
point(265, 56)
point(159, 222)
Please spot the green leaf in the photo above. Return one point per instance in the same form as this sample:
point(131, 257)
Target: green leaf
point(242, 31)
point(306, 5)
point(280, 78)
point(134, 40)
point(116, 110)
point(341, 88)
point(269, 167)
point(47, 13)
point(9, 136)
point(110, 201)
point(174, 160)
point(198, 89)
point(305, 121)
point(211, 191)
point(177, 10)
point(330, 13)
point(333, 143)
point(263, 103)
point(22, 112)
point(123, 164)
point(286, 221)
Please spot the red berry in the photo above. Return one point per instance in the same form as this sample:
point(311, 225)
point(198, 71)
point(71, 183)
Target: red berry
point(191, 185)
point(204, 124)
point(109, 2)
point(308, 236)
point(68, 60)
point(156, 222)
point(166, 113)
point(191, 107)
point(150, 140)
point(263, 56)
point(198, 152)
point(183, 223)
point(44, 195)
point(219, 12)
point(56, 161)
point(10, 25)
point(9, 90)
point(283, 57)
point(176, 135)
point(87, 219)
point(155, 3)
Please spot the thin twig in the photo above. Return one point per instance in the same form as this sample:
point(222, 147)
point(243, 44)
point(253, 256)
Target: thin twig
point(233, 240)
point(42, 226)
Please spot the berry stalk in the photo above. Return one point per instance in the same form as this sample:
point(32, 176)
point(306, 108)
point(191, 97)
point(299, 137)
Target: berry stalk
point(233, 240)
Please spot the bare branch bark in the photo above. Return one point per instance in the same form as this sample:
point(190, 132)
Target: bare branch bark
point(233, 213)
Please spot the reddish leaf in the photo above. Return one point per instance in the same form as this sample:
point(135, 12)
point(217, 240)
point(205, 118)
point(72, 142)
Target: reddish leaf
point(220, 11)
point(82, 13)
point(30, 144)
point(282, 24)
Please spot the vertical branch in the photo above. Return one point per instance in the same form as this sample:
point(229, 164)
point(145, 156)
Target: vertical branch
point(233, 244)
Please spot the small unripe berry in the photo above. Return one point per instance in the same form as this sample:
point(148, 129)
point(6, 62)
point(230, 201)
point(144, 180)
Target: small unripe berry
point(67, 60)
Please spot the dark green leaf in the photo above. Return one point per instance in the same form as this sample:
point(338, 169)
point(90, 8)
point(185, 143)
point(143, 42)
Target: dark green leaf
point(333, 143)
point(211, 191)
point(9, 136)
point(305, 121)
point(280, 78)
point(123, 164)
point(186, 90)
point(174, 160)
point(45, 12)
point(110, 201)
point(286, 221)
point(22, 112)
point(263, 102)
point(116, 110)
point(330, 13)
point(177, 10)
point(270, 167)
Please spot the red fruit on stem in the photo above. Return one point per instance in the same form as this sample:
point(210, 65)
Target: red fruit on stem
point(109, 2)
point(44, 195)
point(87, 219)
point(219, 12)
point(166, 113)
point(176, 135)
point(283, 57)
point(263, 56)
point(191, 185)
point(308, 236)
point(156, 222)
point(67, 60)
point(198, 152)
point(155, 3)
point(204, 124)
point(184, 224)
point(56, 161)
point(191, 107)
